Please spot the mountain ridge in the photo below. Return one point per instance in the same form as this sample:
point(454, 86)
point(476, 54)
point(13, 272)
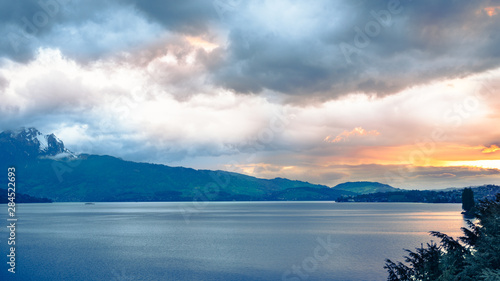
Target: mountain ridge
point(49, 170)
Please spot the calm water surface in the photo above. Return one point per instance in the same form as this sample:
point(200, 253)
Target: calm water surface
point(219, 240)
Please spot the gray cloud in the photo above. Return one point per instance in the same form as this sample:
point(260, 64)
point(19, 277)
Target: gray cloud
point(424, 42)
point(292, 47)
point(190, 16)
point(84, 30)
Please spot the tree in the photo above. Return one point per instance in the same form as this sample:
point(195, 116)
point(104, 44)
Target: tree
point(467, 200)
point(473, 257)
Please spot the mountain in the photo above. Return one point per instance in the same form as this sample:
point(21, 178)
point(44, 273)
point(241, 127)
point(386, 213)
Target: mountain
point(365, 187)
point(106, 178)
point(30, 144)
point(45, 168)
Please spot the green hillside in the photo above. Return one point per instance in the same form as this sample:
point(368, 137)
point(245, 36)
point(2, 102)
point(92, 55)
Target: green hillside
point(106, 178)
point(365, 187)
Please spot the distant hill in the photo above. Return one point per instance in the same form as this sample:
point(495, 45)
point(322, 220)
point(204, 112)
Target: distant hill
point(365, 187)
point(426, 196)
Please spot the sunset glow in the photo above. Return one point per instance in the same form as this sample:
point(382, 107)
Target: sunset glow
point(492, 11)
point(487, 164)
point(198, 42)
point(491, 149)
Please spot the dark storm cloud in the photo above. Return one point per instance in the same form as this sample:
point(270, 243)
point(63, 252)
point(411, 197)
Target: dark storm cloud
point(188, 16)
point(25, 25)
point(378, 47)
point(318, 49)
point(82, 30)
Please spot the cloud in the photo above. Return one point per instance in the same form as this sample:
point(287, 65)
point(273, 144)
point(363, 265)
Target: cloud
point(345, 135)
point(431, 176)
point(491, 149)
point(298, 52)
point(83, 30)
point(400, 176)
point(160, 93)
point(287, 47)
point(193, 17)
point(126, 110)
point(492, 11)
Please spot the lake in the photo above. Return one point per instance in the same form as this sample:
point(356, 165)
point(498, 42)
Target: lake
point(219, 240)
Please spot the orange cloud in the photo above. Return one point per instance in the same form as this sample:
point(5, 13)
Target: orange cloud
point(491, 149)
point(200, 43)
point(358, 131)
point(492, 11)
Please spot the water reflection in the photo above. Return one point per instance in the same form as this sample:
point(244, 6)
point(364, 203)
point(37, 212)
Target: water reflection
point(224, 241)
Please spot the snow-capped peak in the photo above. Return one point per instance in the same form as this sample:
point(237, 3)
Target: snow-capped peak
point(42, 140)
point(39, 144)
point(32, 135)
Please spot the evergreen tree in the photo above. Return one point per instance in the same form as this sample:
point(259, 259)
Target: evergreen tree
point(467, 199)
point(474, 257)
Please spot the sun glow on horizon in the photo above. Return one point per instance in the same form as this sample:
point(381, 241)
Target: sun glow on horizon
point(486, 164)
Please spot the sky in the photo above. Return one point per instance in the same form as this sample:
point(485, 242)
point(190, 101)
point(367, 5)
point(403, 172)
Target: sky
point(405, 93)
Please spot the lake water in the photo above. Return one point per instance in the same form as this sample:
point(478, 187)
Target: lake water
point(219, 240)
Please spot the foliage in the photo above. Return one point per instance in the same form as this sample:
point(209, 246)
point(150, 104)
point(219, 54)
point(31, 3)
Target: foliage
point(475, 256)
point(467, 199)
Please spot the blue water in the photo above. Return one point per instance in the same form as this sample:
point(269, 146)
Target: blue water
point(218, 240)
